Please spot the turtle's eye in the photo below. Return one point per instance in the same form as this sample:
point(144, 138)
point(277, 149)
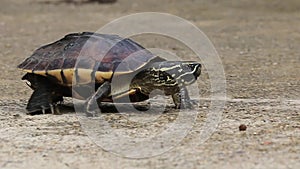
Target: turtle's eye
point(162, 76)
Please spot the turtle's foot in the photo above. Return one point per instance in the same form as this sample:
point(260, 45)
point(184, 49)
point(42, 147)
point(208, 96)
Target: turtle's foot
point(188, 104)
point(43, 97)
point(91, 109)
point(91, 114)
point(142, 106)
point(44, 109)
point(54, 108)
point(184, 105)
point(183, 101)
point(195, 103)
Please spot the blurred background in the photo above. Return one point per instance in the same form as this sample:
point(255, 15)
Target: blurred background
point(257, 40)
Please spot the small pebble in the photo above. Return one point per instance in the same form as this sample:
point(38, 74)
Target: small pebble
point(16, 115)
point(242, 127)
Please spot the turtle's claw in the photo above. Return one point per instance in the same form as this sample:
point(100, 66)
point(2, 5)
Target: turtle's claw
point(57, 110)
point(52, 108)
point(91, 114)
point(186, 105)
point(194, 102)
point(91, 109)
point(43, 109)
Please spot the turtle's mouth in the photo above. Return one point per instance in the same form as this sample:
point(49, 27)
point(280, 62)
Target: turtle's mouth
point(190, 77)
point(196, 69)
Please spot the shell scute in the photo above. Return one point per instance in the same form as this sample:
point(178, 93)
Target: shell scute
point(104, 66)
point(55, 64)
point(85, 63)
point(30, 63)
point(41, 65)
point(69, 63)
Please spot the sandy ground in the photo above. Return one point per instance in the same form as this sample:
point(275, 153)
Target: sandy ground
point(258, 43)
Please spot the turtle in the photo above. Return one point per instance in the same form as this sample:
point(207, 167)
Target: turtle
point(100, 68)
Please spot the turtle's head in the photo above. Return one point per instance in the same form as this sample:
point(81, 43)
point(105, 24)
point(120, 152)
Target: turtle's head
point(166, 75)
point(175, 73)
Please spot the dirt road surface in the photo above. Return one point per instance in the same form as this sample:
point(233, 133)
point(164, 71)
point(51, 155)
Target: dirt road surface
point(258, 43)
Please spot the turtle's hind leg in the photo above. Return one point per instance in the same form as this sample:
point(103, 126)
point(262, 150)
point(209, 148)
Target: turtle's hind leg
point(44, 97)
point(42, 100)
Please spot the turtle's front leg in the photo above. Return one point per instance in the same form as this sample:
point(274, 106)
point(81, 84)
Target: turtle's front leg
point(102, 92)
point(182, 99)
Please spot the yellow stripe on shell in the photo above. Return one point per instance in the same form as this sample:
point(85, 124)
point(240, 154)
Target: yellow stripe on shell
point(85, 74)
